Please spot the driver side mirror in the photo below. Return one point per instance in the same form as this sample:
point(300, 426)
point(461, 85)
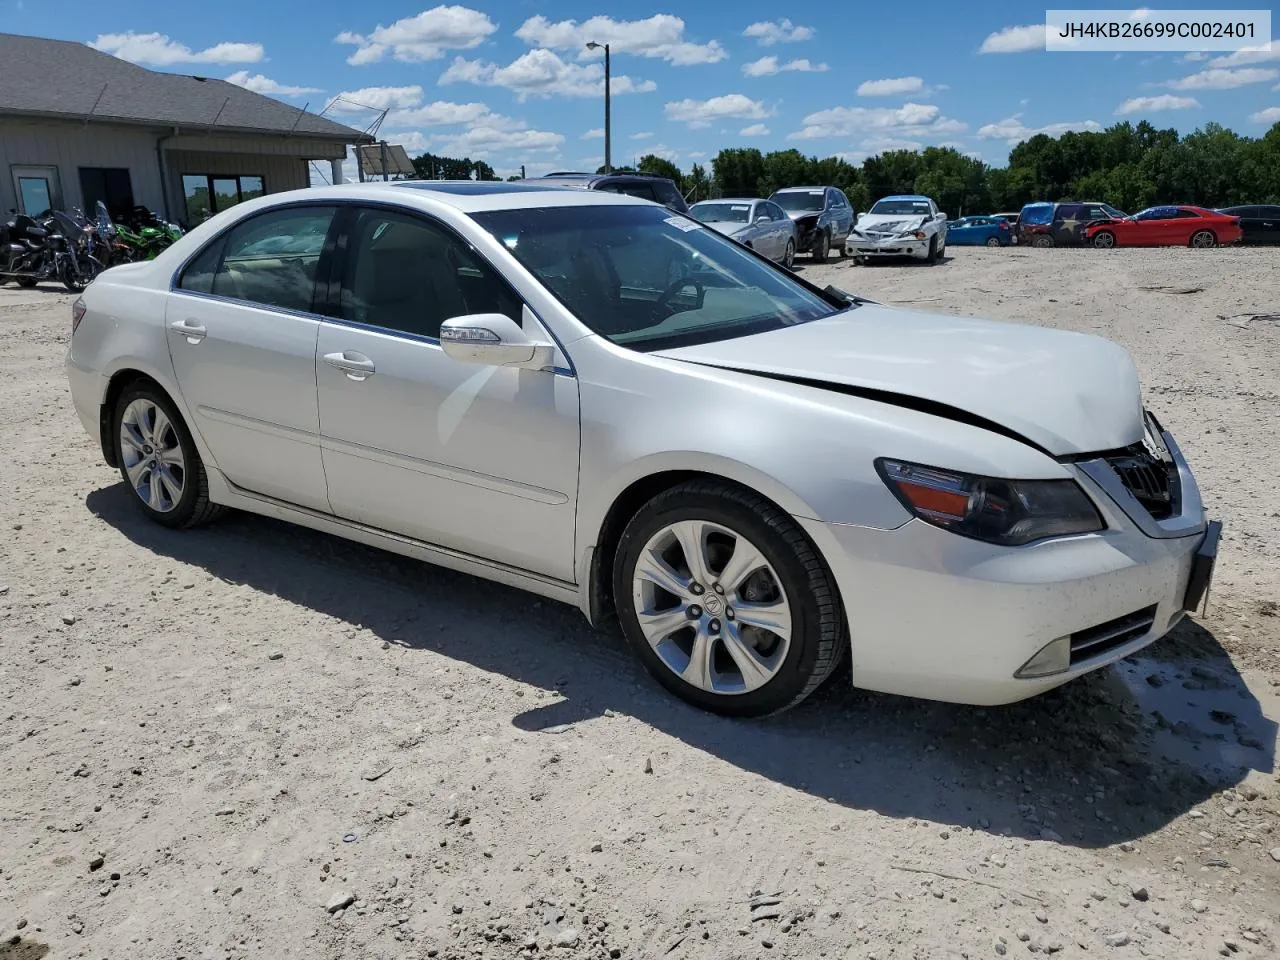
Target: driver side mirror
point(940, 216)
point(762, 218)
point(493, 339)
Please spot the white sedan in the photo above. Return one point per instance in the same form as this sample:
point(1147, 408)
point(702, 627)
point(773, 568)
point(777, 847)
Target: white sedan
point(589, 397)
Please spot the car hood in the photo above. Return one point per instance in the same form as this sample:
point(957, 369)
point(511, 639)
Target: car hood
point(729, 228)
point(1067, 393)
point(801, 214)
point(890, 222)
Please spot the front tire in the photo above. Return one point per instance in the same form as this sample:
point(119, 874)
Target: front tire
point(789, 255)
point(1104, 239)
point(1204, 239)
point(158, 459)
point(821, 247)
point(933, 249)
point(726, 601)
point(26, 283)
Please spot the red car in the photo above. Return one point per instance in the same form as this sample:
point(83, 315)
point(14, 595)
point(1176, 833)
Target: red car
point(1166, 227)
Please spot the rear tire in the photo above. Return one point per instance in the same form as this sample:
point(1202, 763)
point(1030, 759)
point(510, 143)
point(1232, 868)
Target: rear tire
point(789, 255)
point(160, 463)
point(1043, 241)
point(1204, 240)
point(782, 578)
point(26, 283)
point(994, 242)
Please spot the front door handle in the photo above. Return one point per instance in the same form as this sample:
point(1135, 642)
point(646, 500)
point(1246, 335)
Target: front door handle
point(192, 329)
point(355, 365)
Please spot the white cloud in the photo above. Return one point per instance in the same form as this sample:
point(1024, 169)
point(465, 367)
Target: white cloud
point(157, 50)
point(438, 114)
point(596, 133)
point(426, 36)
point(265, 85)
point(1195, 56)
point(1269, 115)
point(697, 155)
point(660, 36)
point(541, 73)
point(892, 87)
point(701, 113)
point(768, 66)
point(646, 135)
point(1015, 40)
point(663, 151)
point(767, 33)
point(755, 130)
point(1013, 129)
point(1165, 101)
point(1217, 78)
point(495, 134)
point(1251, 54)
point(375, 98)
point(911, 119)
point(882, 144)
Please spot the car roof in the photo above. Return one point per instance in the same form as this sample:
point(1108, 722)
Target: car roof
point(465, 196)
point(904, 196)
point(735, 200)
point(801, 189)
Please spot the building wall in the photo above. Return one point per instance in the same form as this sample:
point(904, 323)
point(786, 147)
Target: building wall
point(68, 146)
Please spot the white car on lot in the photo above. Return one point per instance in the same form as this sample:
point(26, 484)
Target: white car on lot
point(587, 396)
point(906, 226)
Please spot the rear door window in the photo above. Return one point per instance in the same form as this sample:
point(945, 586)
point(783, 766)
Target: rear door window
point(1037, 214)
point(1068, 211)
point(271, 259)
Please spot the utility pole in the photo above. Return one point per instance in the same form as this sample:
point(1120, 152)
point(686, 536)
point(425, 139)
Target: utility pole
point(608, 132)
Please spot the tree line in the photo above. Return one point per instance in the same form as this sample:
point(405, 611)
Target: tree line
point(1130, 166)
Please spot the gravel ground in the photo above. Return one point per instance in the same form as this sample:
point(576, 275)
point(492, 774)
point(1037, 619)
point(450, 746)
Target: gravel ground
point(255, 741)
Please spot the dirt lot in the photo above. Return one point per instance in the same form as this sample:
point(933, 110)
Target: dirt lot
point(255, 741)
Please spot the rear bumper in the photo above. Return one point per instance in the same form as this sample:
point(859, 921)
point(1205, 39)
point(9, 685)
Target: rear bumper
point(86, 395)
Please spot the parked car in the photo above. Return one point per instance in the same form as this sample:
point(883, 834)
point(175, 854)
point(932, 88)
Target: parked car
point(823, 217)
point(658, 189)
point(1260, 223)
point(905, 226)
point(1060, 224)
point(1012, 220)
point(758, 475)
point(1166, 227)
point(761, 225)
point(979, 232)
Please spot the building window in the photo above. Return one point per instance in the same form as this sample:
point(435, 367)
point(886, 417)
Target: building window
point(110, 185)
point(207, 194)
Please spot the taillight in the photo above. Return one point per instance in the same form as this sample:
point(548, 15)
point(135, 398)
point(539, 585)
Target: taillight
point(77, 314)
point(1003, 225)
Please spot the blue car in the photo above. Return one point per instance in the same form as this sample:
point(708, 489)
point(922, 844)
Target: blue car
point(980, 232)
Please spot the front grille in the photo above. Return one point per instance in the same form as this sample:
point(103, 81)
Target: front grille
point(1087, 644)
point(1152, 480)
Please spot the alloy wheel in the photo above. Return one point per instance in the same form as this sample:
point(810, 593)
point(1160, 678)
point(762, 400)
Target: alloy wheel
point(712, 607)
point(1203, 240)
point(1104, 240)
point(151, 454)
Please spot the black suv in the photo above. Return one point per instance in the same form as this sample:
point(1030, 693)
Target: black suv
point(823, 217)
point(658, 189)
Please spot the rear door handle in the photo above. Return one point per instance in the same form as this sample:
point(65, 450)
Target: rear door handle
point(193, 330)
point(355, 365)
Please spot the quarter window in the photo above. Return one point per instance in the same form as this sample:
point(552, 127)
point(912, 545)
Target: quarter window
point(270, 259)
point(406, 274)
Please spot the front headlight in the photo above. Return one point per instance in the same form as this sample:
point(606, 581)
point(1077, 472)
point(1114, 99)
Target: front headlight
point(1005, 512)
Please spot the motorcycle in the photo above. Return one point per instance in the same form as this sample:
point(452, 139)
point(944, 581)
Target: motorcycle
point(55, 247)
point(145, 234)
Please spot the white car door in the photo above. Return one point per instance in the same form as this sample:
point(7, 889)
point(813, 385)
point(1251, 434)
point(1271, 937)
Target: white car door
point(242, 334)
point(479, 459)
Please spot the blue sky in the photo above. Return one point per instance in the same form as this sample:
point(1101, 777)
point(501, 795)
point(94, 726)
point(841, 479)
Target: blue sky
point(509, 81)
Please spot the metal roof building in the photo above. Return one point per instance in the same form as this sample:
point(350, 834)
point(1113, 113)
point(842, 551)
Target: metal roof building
point(78, 125)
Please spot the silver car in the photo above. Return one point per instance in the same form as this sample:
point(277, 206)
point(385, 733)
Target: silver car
point(601, 401)
point(761, 225)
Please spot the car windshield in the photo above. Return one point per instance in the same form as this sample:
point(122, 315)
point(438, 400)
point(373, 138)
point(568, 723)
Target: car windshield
point(796, 201)
point(901, 208)
point(1113, 212)
point(648, 280)
point(722, 212)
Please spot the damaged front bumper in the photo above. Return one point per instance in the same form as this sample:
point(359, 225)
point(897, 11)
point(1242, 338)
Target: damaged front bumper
point(864, 245)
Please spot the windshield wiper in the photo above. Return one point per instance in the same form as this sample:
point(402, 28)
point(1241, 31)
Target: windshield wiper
point(850, 298)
